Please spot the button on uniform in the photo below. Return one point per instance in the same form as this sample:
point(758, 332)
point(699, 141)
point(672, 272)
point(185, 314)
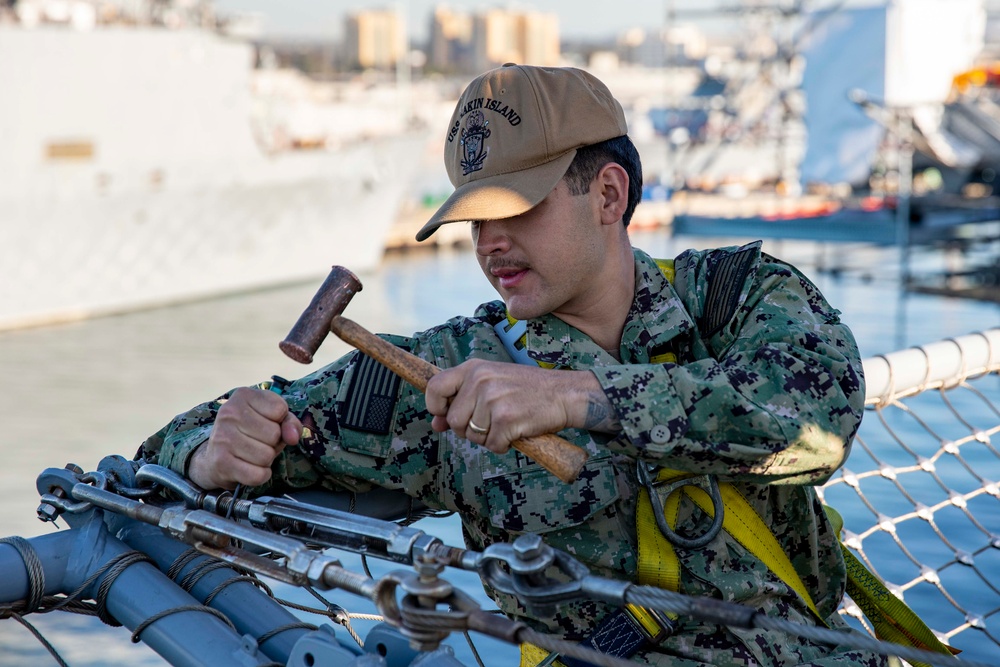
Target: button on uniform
point(660, 434)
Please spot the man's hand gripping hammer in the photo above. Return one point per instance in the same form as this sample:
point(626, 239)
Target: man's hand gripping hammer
point(561, 458)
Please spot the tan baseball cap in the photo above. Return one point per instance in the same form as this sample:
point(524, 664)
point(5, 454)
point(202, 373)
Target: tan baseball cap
point(514, 133)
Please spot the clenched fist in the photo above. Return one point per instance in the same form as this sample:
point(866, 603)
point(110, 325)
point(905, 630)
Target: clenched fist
point(250, 430)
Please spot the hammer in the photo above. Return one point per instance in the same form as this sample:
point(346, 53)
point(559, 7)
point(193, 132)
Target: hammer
point(323, 315)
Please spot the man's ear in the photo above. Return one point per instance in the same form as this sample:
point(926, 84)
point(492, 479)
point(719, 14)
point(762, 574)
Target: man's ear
point(611, 183)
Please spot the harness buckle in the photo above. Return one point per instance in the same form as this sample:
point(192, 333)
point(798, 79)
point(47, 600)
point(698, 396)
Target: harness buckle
point(699, 542)
point(657, 626)
point(510, 333)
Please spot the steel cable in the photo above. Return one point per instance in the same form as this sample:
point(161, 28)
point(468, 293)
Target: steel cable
point(33, 568)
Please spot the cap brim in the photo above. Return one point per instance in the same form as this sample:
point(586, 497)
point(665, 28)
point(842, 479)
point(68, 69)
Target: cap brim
point(500, 196)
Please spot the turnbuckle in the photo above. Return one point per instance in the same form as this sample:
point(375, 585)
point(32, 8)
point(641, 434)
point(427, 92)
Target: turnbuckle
point(219, 537)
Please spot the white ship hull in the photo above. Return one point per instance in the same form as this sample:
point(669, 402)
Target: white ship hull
point(138, 168)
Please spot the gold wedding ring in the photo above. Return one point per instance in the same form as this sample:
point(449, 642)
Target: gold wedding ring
point(477, 429)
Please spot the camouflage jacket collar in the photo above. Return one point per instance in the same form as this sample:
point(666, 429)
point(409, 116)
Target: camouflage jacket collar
point(656, 318)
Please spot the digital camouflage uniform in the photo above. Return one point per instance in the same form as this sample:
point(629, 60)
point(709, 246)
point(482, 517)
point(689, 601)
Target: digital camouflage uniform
point(768, 395)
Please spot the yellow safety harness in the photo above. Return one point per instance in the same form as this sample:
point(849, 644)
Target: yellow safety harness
point(891, 618)
point(658, 564)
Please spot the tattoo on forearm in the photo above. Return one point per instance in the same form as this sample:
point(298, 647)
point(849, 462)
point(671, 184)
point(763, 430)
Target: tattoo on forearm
point(600, 415)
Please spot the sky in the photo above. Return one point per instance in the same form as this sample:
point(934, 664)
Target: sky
point(577, 18)
point(588, 19)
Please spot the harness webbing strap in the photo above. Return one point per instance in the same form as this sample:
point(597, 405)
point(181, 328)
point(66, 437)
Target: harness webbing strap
point(667, 269)
point(658, 562)
point(656, 566)
point(743, 523)
point(747, 528)
point(891, 618)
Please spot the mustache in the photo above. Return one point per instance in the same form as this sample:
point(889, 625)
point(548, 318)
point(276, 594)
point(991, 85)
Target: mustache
point(494, 263)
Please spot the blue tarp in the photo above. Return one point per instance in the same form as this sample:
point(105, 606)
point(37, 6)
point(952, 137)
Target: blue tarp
point(845, 52)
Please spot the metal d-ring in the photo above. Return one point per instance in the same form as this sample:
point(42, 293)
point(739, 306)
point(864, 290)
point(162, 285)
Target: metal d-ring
point(675, 538)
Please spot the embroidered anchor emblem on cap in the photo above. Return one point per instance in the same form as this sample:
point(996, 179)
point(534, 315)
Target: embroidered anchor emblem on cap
point(474, 142)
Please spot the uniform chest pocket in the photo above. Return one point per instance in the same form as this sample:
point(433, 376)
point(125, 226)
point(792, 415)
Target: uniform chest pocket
point(532, 500)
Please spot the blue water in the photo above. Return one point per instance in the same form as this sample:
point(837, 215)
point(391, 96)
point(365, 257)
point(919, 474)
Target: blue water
point(80, 391)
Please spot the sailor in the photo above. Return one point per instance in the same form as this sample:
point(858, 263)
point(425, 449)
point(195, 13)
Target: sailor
point(723, 373)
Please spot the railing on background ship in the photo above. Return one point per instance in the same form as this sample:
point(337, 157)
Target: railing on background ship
point(920, 493)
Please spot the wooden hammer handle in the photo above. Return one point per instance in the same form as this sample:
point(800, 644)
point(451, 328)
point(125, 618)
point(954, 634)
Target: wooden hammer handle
point(560, 457)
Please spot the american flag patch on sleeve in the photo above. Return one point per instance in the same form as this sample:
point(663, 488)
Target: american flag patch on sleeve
point(372, 397)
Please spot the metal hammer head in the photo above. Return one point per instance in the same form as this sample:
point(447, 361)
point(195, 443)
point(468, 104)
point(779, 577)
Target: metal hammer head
point(313, 325)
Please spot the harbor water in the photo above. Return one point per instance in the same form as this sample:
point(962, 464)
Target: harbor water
point(77, 392)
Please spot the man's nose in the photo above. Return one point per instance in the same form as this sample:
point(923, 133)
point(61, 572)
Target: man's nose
point(490, 236)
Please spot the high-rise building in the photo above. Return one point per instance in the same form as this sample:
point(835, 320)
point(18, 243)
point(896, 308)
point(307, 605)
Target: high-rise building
point(540, 38)
point(491, 37)
point(375, 39)
point(523, 37)
point(451, 40)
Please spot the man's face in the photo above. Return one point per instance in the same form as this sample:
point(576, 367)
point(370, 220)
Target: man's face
point(545, 260)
